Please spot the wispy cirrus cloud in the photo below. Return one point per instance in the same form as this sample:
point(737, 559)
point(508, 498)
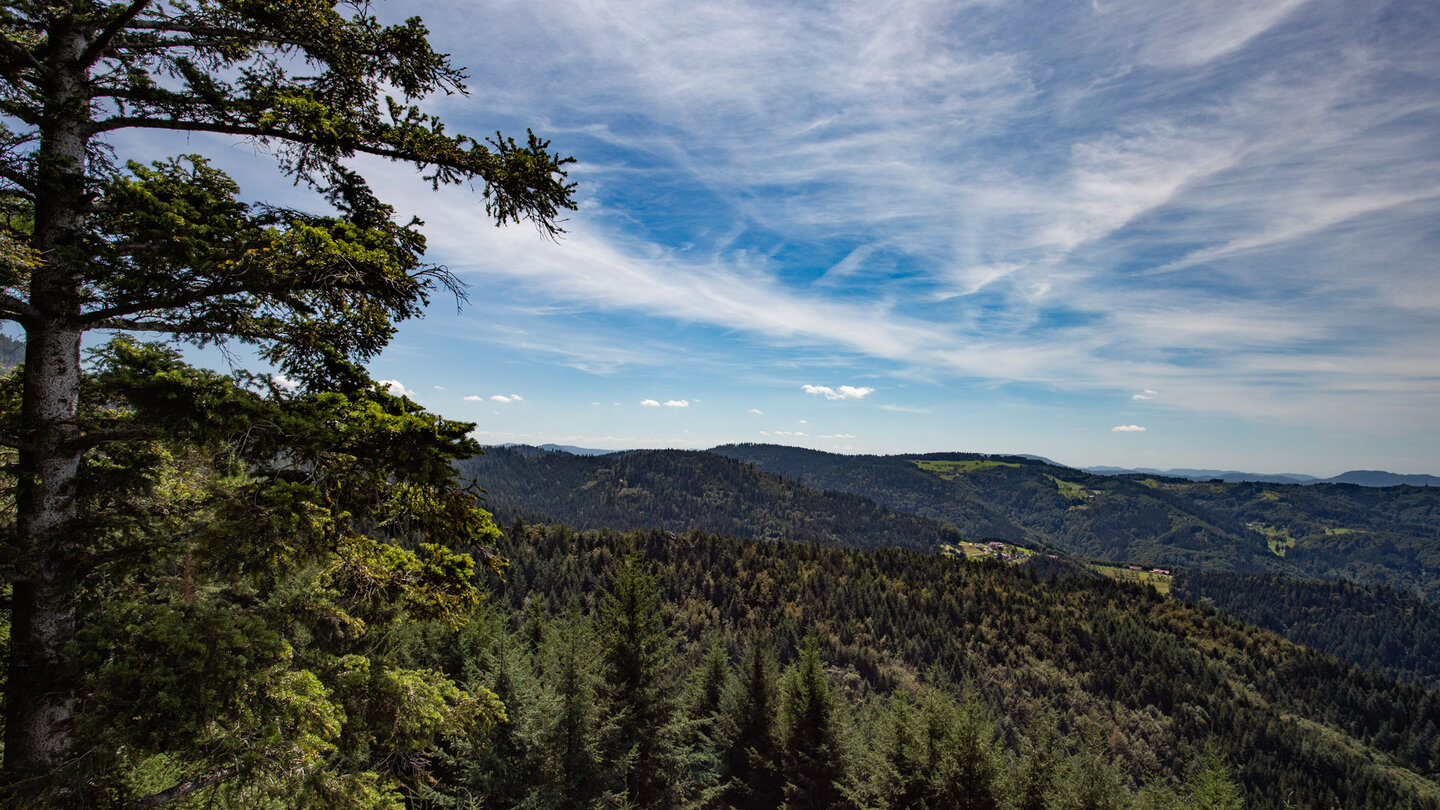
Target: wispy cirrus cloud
point(1232, 202)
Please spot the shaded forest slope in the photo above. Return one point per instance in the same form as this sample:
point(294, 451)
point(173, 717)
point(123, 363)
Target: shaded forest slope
point(1368, 535)
point(681, 490)
point(1151, 677)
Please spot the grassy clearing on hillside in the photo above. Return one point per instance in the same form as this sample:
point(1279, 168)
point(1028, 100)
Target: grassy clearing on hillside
point(1071, 490)
point(1276, 539)
point(949, 469)
point(1160, 582)
point(1004, 551)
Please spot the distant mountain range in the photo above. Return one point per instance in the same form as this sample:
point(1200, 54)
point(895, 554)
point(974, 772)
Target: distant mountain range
point(1324, 530)
point(1364, 478)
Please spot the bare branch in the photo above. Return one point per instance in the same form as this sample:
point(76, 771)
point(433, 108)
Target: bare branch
point(102, 41)
point(8, 439)
point(184, 788)
point(12, 56)
point(12, 308)
point(248, 130)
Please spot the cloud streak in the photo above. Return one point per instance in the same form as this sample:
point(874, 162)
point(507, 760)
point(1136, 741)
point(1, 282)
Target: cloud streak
point(1235, 202)
point(843, 392)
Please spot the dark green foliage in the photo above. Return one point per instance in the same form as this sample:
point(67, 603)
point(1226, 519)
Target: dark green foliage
point(643, 746)
point(1375, 626)
point(812, 741)
point(572, 773)
point(753, 747)
point(1150, 679)
point(938, 752)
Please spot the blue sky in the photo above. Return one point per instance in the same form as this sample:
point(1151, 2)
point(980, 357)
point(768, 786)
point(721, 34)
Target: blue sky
point(1134, 233)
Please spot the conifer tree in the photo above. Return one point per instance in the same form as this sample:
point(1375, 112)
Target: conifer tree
point(571, 771)
point(753, 750)
point(333, 504)
point(1211, 788)
point(643, 743)
point(707, 726)
point(812, 747)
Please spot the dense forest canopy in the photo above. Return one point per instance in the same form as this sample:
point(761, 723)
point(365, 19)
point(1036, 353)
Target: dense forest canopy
point(201, 569)
point(1077, 692)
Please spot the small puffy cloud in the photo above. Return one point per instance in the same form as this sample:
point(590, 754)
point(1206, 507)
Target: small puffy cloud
point(474, 398)
point(755, 411)
point(781, 433)
point(903, 409)
point(439, 388)
point(1127, 429)
point(843, 392)
point(676, 403)
point(507, 399)
point(1146, 394)
point(837, 436)
point(650, 403)
point(284, 382)
point(395, 387)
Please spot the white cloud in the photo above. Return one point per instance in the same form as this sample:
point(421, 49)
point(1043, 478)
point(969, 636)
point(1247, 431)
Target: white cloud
point(755, 411)
point(650, 403)
point(838, 436)
point(1123, 217)
point(474, 398)
point(843, 392)
point(676, 403)
point(439, 388)
point(395, 388)
point(904, 409)
point(1127, 429)
point(284, 382)
point(502, 398)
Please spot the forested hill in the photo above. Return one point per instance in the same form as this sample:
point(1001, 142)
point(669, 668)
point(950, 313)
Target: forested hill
point(1094, 688)
point(681, 490)
point(1368, 535)
point(1108, 518)
point(1373, 626)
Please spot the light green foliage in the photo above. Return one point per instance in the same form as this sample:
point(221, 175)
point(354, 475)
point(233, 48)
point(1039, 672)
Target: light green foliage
point(1212, 788)
point(950, 469)
point(253, 583)
point(1071, 490)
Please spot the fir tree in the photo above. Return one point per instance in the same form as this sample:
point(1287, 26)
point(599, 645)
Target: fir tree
point(753, 750)
point(643, 744)
point(92, 242)
point(812, 747)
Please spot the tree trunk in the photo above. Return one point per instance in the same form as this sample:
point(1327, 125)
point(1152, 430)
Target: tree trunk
point(40, 699)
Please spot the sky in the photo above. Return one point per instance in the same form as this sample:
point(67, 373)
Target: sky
point(1123, 233)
